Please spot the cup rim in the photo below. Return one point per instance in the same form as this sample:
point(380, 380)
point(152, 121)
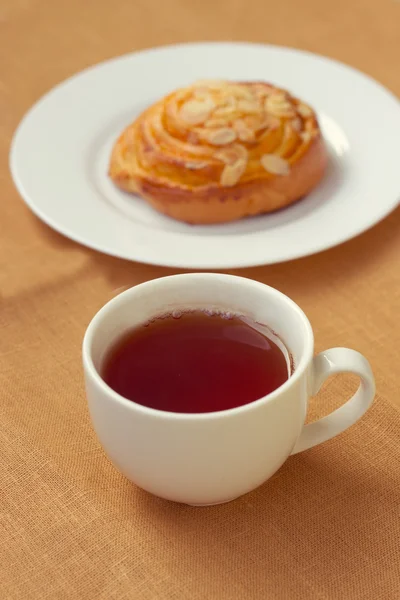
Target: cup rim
point(92, 371)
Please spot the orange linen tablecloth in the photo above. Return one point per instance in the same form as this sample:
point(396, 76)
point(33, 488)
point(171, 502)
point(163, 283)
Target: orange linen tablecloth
point(327, 526)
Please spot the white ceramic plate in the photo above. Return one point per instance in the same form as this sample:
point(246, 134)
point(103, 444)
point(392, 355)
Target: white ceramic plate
point(60, 153)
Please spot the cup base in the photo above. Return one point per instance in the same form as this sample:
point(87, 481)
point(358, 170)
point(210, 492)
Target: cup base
point(214, 503)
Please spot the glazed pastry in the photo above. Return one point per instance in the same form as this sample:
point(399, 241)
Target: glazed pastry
point(218, 151)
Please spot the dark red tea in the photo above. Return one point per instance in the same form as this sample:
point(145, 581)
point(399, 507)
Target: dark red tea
point(195, 362)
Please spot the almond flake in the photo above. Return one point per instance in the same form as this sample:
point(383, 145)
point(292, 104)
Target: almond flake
point(247, 106)
point(225, 111)
point(242, 92)
point(277, 106)
point(279, 96)
point(221, 137)
point(244, 133)
point(304, 110)
point(275, 164)
point(306, 136)
point(195, 165)
point(296, 124)
point(227, 101)
point(195, 112)
point(232, 173)
point(203, 95)
point(232, 154)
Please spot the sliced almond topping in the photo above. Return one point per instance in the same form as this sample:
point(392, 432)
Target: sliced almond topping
point(227, 101)
point(247, 106)
point(296, 124)
point(195, 112)
point(278, 97)
point(306, 136)
point(244, 133)
point(309, 134)
point(232, 173)
point(195, 165)
point(271, 123)
point(278, 108)
point(278, 104)
point(282, 111)
point(221, 137)
point(242, 92)
point(180, 95)
point(304, 110)
point(202, 94)
point(275, 164)
point(214, 123)
point(232, 154)
point(225, 111)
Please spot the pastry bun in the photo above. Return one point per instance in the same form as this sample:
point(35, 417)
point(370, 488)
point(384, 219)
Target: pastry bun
point(218, 151)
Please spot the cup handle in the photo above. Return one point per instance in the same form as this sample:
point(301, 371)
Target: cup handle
point(338, 360)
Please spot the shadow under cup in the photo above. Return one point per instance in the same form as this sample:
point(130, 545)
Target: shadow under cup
point(203, 458)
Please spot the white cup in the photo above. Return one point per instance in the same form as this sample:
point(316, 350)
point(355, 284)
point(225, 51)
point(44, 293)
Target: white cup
point(210, 458)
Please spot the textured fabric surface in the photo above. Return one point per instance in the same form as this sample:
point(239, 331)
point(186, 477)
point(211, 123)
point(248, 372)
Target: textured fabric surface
point(327, 526)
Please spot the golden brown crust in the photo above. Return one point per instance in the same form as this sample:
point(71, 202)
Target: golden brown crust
point(218, 151)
